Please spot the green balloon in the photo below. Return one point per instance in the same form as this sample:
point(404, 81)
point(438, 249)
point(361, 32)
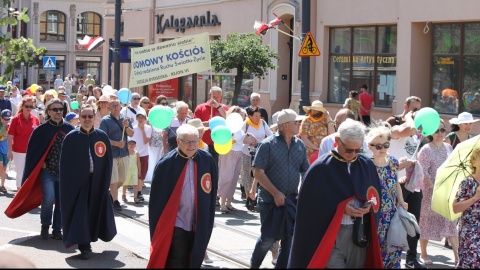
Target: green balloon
point(221, 135)
point(160, 117)
point(427, 121)
point(74, 105)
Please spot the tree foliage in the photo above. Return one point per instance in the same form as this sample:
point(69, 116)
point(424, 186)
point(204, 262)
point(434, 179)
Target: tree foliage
point(244, 52)
point(17, 50)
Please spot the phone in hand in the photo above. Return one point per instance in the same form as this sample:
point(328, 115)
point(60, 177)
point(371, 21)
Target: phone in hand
point(367, 204)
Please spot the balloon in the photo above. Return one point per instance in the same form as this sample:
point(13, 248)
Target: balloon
point(74, 105)
point(52, 92)
point(160, 117)
point(216, 121)
point(223, 149)
point(29, 91)
point(234, 122)
point(107, 90)
point(124, 95)
point(427, 121)
point(33, 88)
point(221, 135)
point(313, 157)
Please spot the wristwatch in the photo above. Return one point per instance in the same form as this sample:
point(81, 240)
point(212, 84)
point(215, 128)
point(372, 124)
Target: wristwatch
point(219, 106)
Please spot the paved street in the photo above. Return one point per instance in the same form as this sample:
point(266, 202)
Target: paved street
point(231, 245)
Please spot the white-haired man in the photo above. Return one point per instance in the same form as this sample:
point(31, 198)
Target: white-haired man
point(255, 103)
point(169, 138)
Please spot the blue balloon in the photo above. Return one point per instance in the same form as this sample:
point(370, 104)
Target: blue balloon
point(215, 122)
point(124, 95)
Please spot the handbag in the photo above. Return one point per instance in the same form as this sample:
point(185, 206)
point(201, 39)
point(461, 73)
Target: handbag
point(361, 231)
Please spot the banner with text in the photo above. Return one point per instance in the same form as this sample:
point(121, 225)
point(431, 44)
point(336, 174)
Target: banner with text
point(171, 59)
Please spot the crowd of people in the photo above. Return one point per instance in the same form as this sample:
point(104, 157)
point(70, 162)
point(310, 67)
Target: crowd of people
point(98, 151)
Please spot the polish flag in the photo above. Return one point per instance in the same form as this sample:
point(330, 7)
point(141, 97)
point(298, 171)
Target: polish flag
point(91, 43)
point(262, 27)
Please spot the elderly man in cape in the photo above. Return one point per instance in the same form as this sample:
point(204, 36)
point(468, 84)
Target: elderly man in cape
point(181, 222)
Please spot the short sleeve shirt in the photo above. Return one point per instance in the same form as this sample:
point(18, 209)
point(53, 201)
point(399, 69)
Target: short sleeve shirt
point(21, 129)
point(141, 147)
point(366, 100)
point(114, 132)
point(205, 113)
point(282, 165)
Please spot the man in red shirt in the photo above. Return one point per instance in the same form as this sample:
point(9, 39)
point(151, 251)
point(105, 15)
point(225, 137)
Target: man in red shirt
point(366, 104)
point(205, 111)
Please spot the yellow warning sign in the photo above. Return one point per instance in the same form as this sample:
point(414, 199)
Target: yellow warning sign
point(309, 46)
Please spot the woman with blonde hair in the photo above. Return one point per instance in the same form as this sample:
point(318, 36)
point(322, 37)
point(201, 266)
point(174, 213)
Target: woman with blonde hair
point(19, 131)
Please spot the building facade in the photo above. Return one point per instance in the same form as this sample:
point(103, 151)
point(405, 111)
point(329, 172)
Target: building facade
point(398, 48)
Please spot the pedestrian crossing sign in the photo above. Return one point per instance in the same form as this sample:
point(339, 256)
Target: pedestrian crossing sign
point(309, 46)
point(49, 63)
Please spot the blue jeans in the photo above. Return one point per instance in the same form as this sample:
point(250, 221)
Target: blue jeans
point(50, 196)
point(264, 244)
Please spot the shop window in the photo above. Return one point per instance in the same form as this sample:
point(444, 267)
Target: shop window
point(456, 68)
point(52, 26)
point(89, 23)
point(363, 55)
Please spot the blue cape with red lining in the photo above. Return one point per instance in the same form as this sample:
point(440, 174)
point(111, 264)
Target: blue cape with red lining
point(322, 199)
point(29, 196)
point(86, 204)
point(167, 183)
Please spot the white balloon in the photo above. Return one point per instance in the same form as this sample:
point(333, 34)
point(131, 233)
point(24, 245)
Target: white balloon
point(107, 90)
point(234, 122)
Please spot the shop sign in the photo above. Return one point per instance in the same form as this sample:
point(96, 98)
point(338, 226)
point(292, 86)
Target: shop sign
point(168, 88)
point(180, 24)
point(365, 59)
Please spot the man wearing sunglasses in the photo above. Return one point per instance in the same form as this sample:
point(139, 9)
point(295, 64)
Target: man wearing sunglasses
point(133, 109)
point(42, 164)
point(85, 173)
point(331, 197)
point(404, 146)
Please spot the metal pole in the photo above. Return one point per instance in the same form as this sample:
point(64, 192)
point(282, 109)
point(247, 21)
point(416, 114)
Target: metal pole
point(116, 65)
point(305, 64)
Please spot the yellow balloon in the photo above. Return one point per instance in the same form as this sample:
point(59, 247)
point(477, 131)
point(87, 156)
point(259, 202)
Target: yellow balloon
point(223, 149)
point(33, 88)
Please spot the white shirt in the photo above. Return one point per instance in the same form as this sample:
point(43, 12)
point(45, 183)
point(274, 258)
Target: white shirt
point(16, 99)
point(328, 143)
point(238, 137)
point(260, 134)
point(141, 147)
point(404, 147)
point(131, 115)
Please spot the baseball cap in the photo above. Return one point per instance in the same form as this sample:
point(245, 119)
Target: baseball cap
point(131, 140)
point(140, 112)
point(288, 115)
point(6, 114)
point(70, 116)
point(3, 88)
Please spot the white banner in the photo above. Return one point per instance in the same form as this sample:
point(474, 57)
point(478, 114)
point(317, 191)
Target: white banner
point(171, 59)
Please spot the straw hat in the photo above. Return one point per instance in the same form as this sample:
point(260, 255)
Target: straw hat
point(463, 118)
point(316, 105)
point(197, 123)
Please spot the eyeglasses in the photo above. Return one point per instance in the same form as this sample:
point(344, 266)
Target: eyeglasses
point(381, 146)
point(164, 103)
point(189, 142)
point(145, 102)
point(85, 116)
point(39, 91)
point(28, 106)
point(295, 122)
point(442, 130)
point(136, 98)
point(57, 109)
point(349, 150)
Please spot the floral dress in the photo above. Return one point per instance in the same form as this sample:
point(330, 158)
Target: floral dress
point(388, 178)
point(432, 225)
point(469, 237)
point(354, 106)
point(315, 132)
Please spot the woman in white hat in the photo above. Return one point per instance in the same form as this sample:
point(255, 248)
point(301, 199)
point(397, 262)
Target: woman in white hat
point(461, 127)
point(316, 126)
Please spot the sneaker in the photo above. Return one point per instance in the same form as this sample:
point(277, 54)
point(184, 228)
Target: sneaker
point(137, 200)
point(117, 206)
point(44, 232)
point(57, 235)
point(3, 189)
point(414, 264)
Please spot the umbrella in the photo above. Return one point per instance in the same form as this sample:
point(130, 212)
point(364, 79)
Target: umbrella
point(449, 176)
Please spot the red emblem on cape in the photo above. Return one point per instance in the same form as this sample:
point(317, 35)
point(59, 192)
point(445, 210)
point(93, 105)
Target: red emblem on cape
point(372, 195)
point(100, 149)
point(206, 183)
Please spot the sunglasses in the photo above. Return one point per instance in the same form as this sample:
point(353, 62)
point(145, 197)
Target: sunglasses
point(145, 102)
point(381, 146)
point(85, 116)
point(40, 91)
point(136, 98)
point(442, 130)
point(349, 150)
point(57, 109)
point(28, 106)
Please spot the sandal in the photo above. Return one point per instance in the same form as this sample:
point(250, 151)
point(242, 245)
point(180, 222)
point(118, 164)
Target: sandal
point(231, 208)
point(3, 189)
point(124, 198)
point(426, 261)
point(224, 210)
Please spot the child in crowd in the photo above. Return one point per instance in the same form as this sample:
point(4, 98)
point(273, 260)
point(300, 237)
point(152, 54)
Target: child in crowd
point(72, 118)
point(4, 122)
point(132, 173)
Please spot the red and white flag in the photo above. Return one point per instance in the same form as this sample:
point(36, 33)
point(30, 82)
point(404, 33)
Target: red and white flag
point(262, 27)
point(91, 43)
